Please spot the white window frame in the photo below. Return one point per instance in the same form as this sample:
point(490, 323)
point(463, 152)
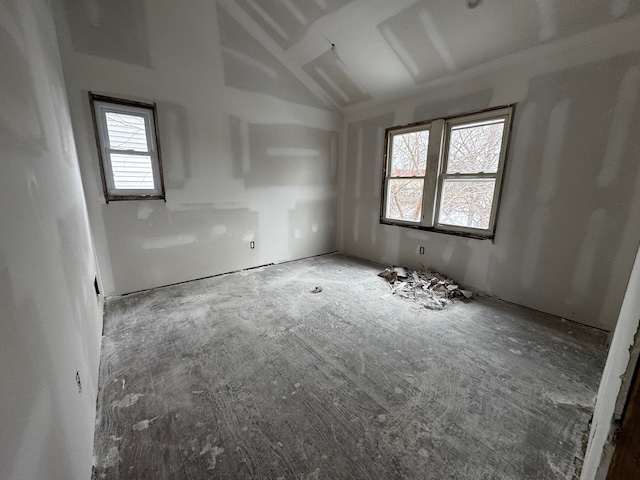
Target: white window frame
point(100, 106)
point(437, 156)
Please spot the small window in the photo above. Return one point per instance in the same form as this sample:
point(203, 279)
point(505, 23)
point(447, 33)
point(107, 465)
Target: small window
point(128, 148)
point(445, 174)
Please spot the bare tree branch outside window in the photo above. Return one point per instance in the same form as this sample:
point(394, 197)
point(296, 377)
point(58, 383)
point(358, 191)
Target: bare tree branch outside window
point(473, 149)
point(408, 166)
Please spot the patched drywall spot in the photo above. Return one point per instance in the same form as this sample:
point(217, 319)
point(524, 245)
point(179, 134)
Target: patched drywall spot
point(522, 144)
point(447, 252)
point(144, 211)
point(175, 143)
point(169, 241)
point(19, 120)
point(287, 21)
point(417, 44)
point(248, 236)
point(249, 66)
point(288, 155)
point(114, 29)
point(446, 108)
point(358, 182)
point(313, 227)
point(365, 141)
point(178, 245)
point(331, 74)
point(376, 162)
point(534, 245)
point(584, 272)
point(547, 19)
point(621, 124)
point(356, 223)
point(375, 221)
point(218, 230)
point(551, 155)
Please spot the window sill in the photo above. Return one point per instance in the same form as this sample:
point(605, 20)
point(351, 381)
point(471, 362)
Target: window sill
point(118, 198)
point(476, 236)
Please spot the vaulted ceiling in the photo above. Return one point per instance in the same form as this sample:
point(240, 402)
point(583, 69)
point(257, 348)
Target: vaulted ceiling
point(351, 51)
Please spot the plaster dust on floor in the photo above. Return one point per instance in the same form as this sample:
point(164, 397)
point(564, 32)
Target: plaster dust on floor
point(253, 375)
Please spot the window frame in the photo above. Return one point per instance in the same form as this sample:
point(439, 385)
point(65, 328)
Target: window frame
point(435, 176)
point(100, 105)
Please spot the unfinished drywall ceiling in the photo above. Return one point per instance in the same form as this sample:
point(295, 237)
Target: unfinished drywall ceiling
point(567, 226)
point(287, 21)
point(249, 152)
point(331, 74)
point(367, 51)
point(51, 320)
point(250, 66)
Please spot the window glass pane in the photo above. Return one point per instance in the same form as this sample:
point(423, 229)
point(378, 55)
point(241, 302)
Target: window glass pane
point(126, 132)
point(132, 172)
point(475, 147)
point(404, 199)
point(466, 203)
point(409, 154)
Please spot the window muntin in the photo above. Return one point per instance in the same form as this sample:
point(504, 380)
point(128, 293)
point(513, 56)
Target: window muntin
point(460, 185)
point(128, 148)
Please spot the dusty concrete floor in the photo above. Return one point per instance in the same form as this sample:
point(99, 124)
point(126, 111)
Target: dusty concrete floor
point(250, 375)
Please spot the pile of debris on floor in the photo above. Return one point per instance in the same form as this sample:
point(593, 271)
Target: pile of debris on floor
point(431, 289)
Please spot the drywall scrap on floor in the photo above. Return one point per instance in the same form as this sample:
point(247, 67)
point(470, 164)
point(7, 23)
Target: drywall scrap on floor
point(430, 289)
point(250, 154)
point(252, 375)
point(50, 318)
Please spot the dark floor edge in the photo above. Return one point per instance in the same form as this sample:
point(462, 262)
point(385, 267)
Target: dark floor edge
point(223, 273)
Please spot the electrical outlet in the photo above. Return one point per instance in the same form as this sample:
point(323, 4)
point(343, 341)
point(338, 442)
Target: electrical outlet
point(78, 382)
point(421, 250)
point(252, 245)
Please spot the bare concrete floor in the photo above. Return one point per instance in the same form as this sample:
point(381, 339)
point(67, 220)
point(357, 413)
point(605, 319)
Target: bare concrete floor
point(250, 375)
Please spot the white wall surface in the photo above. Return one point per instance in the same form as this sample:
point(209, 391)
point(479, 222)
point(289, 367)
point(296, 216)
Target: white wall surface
point(249, 152)
point(618, 372)
point(50, 320)
point(568, 228)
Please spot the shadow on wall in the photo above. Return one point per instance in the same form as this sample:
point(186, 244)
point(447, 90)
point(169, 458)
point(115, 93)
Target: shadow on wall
point(265, 155)
point(249, 66)
point(312, 228)
point(113, 29)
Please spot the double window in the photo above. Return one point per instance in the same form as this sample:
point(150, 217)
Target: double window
point(128, 148)
point(446, 174)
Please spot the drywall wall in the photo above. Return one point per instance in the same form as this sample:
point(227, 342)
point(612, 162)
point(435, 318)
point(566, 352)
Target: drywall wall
point(250, 153)
point(567, 229)
point(613, 390)
point(50, 318)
